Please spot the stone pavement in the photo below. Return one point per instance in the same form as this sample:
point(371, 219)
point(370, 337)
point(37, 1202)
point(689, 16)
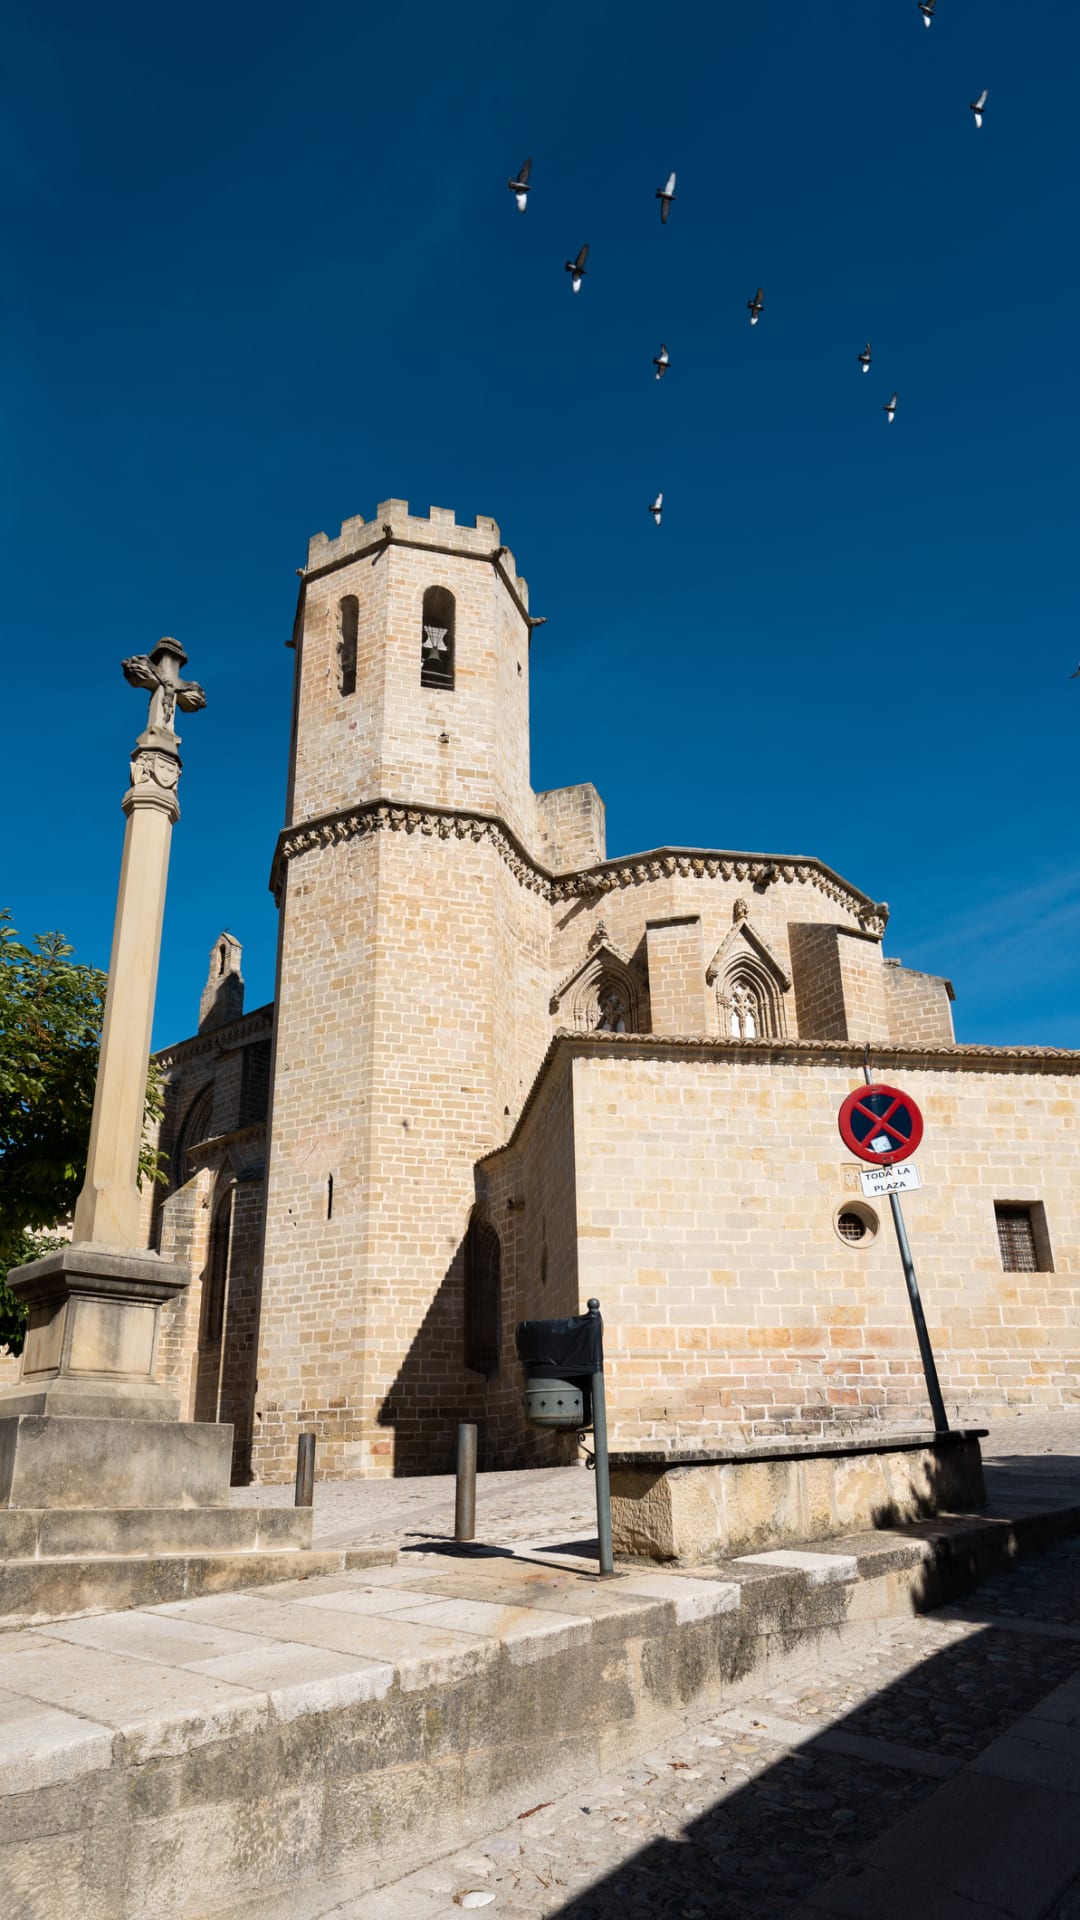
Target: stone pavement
point(1036, 1454)
point(930, 1772)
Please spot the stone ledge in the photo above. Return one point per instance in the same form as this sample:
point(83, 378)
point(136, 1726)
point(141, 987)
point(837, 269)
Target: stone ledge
point(689, 1507)
point(49, 1533)
point(883, 1440)
point(187, 1757)
point(40, 1592)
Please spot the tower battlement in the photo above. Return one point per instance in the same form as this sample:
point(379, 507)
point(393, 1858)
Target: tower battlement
point(437, 530)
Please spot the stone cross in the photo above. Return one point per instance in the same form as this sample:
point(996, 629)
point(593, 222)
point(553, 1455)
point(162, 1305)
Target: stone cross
point(159, 674)
point(108, 1210)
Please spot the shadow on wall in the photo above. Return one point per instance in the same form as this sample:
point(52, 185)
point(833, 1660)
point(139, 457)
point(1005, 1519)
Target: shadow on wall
point(433, 1390)
point(876, 1812)
point(462, 1363)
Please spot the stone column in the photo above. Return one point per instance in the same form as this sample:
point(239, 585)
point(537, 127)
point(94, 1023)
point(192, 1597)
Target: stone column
point(94, 1306)
point(107, 1212)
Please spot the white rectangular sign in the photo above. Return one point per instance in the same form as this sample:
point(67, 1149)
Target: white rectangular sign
point(877, 1182)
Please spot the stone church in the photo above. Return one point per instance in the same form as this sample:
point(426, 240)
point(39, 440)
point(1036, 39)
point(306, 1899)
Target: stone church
point(502, 1073)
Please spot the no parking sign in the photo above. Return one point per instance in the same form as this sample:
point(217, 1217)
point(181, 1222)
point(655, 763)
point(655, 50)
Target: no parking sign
point(880, 1124)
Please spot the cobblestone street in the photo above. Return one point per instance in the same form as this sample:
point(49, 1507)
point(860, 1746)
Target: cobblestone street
point(932, 1771)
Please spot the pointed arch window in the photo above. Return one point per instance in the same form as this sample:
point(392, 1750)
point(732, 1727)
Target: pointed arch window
point(194, 1129)
point(217, 1272)
point(483, 1295)
point(348, 621)
point(437, 639)
point(746, 1019)
point(750, 1003)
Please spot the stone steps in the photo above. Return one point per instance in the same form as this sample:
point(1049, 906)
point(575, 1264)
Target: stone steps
point(40, 1533)
point(38, 1590)
point(210, 1756)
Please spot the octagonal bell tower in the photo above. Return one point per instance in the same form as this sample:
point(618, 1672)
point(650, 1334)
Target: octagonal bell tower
point(411, 1001)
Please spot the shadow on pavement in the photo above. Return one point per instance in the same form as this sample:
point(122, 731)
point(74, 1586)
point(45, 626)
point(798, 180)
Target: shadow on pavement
point(895, 1811)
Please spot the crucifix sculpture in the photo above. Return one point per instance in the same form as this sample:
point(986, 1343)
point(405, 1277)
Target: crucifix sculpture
point(159, 674)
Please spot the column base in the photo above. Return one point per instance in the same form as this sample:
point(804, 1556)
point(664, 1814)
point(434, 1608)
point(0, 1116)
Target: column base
point(91, 1339)
point(55, 1461)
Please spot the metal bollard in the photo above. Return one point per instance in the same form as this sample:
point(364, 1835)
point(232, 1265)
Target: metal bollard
point(465, 1492)
point(305, 1470)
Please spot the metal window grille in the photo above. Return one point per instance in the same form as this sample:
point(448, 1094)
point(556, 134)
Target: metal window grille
point(850, 1227)
point(1016, 1239)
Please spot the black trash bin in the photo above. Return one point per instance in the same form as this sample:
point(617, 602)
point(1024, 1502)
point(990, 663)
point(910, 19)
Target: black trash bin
point(559, 1358)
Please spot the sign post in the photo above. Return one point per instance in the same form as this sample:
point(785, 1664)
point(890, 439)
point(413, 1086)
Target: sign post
point(882, 1125)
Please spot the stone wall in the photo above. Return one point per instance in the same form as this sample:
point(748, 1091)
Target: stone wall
point(707, 1184)
point(919, 1005)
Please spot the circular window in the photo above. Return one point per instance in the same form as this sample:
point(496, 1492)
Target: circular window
point(855, 1223)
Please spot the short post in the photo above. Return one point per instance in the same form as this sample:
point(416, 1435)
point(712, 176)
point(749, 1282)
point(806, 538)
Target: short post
point(305, 1470)
point(933, 1385)
point(603, 1475)
point(465, 1490)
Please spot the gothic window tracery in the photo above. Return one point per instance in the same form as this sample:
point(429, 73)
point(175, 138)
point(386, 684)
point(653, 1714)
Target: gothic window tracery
point(749, 982)
point(611, 1008)
point(745, 1020)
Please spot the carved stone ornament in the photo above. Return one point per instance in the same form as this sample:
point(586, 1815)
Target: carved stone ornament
point(149, 764)
point(740, 911)
point(874, 919)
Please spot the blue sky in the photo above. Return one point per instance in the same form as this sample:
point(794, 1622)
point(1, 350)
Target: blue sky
point(263, 272)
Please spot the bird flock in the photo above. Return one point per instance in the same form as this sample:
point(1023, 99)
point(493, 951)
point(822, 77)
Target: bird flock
point(521, 186)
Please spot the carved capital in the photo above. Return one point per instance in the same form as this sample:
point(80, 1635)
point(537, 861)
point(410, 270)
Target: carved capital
point(155, 776)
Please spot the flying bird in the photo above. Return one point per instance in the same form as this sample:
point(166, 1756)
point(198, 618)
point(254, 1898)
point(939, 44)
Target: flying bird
point(520, 187)
point(661, 361)
point(666, 196)
point(978, 107)
point(656, 508)
point(926, 8)
point(756, 306)
point(577, 268)
point(890, 409)
point(864, 358)
point(1076, 675)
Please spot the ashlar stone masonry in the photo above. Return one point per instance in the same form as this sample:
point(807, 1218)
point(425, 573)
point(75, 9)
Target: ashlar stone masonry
point(503, 1072)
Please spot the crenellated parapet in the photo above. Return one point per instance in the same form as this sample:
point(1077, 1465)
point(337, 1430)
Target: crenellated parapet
point(437, 531)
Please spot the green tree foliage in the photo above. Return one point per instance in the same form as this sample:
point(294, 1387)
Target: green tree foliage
point(51, 1008)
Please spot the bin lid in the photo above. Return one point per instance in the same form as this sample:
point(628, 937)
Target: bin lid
point(570, 1346)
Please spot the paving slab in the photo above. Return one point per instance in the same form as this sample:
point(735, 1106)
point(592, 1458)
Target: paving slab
point(692, 1599)
point(821, 1569)
point(159, 1709)
point(300, 1680)
point(45, 1747)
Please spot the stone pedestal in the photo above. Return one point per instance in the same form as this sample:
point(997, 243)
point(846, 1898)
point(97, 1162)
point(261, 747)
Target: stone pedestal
point(689, 1507)
point(91, 1342)
point(107, 1497)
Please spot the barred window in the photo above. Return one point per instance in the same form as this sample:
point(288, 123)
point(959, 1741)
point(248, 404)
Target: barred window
point(1022, 1238)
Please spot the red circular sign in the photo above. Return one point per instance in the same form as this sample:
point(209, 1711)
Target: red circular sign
point(880, 1124)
